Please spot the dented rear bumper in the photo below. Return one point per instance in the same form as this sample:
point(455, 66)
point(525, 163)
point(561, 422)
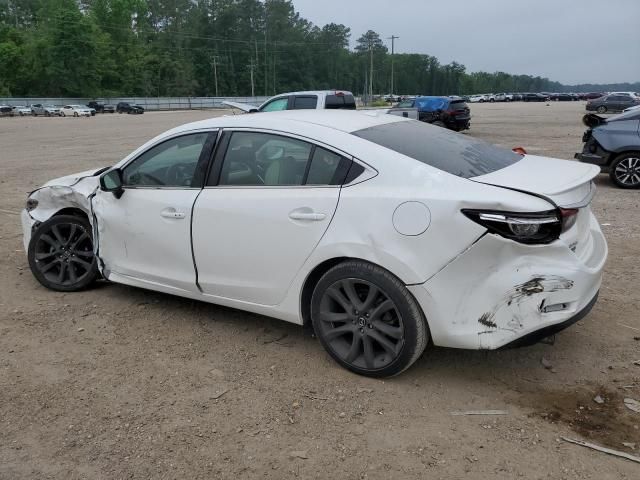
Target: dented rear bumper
point(499, 291)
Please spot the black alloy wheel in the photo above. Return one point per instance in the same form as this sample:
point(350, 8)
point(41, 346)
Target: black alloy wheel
point(367, 320)
point(61, 254)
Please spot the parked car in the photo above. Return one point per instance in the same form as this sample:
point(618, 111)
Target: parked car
point(125, 107)
point(592, 95)
point(516, 97)
point(311, 100)
point(390, 97)
point(501, 97)
point(100, 107)
point(384, 235)
point(75, 111)
point(534, 97)
point(92, 110)
point(46, 110)
point(21, 111)
point(6, 111)
point(477, 99)
point(614, 144)
point(562, 97)
point(449, 112)
point(612, 103)
point(635, 107)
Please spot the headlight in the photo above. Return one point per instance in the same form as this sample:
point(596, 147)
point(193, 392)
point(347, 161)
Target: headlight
point(530, 228)
point(31, 204)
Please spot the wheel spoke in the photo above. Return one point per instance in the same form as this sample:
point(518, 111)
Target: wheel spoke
point(354, 350)
point(332, 317)
point(72, 273)
point(72, 233)
point(339, 332)
point(383, 342)
point(336, 294)
point(352, 295)
point(380, 309)
point(43, 256)
point(58, 235)
point(49, 265)
point(372, 295)
point(63, 267)
point(79, 261)
point(388, 330)
point(47, 238)
point(79, 240)
point(369, 356)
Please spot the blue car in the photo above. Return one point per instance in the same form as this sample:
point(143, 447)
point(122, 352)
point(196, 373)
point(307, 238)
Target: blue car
point(449, 112)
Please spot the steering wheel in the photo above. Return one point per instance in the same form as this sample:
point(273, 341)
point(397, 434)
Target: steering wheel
point(178, 175)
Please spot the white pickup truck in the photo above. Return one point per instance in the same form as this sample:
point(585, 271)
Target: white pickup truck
point(315, 100)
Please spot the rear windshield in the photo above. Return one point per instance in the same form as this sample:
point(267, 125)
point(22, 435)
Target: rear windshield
point(453, 153)
point(333, 102)
point(431, 104)
point(457, 105)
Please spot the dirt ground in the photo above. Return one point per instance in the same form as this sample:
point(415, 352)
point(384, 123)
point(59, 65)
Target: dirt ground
point(118, 382)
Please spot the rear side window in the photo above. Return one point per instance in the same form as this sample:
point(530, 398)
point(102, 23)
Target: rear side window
point(305, 103)
point(346, 101)
point(459, 155)
point(327, 168)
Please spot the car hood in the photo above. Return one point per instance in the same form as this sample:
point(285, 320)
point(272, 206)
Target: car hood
point(564, 182)
point(74, 178)
point(245, 107)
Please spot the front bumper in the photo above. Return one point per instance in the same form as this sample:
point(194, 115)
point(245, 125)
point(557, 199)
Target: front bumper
point(499, 291)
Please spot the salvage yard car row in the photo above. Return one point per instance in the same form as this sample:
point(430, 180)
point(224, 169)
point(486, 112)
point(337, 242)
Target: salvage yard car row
point(70, 110)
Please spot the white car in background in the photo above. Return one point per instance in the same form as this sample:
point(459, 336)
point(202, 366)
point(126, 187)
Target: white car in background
point(635, 107)
point(21, 111)
point(75, 111)
point(383, 234)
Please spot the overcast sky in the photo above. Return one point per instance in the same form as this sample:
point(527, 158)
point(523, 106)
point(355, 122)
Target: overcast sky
point(571, 41)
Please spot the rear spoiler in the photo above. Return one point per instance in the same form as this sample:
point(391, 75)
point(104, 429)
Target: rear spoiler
point(592, 120)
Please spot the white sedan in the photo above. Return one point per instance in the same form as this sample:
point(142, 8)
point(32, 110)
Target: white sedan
point(383, 234)
point(75, 111)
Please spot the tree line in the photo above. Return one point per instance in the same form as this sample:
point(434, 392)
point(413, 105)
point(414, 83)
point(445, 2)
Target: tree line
point(103, 48)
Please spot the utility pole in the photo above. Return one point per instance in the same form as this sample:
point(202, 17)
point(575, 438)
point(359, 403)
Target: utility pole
point(214, 61)
point(393, 51)
point(252, 66)
point(370, 69)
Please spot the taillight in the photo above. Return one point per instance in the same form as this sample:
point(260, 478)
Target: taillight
point(569, 217)
point(529, 228)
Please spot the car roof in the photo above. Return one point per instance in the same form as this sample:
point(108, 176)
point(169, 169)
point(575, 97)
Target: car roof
point(343, 120)
point(315, 92)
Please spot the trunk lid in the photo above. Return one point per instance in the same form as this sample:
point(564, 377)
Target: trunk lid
point(567, 183)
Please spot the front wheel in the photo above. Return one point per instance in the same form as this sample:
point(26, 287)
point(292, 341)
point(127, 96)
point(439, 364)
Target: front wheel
point(61, 254)
point(625, 170)
point(62, 114)
point(367, 320)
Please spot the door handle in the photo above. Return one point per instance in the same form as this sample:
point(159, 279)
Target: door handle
point(312, 216)
point(172, 213)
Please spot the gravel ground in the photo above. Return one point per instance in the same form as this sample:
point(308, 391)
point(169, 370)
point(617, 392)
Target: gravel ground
point(118, 382)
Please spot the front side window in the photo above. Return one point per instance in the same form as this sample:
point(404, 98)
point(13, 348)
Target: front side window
point(276, 105)
point(170, 164)
point(263, 159)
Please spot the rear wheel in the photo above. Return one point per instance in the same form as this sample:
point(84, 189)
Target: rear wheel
point(601, 109)
point(61, 254)
point(625, 170)
point(367, 320)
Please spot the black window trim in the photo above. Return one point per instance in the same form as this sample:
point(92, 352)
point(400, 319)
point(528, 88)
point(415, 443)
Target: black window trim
point(205, 157)
point(215, 168)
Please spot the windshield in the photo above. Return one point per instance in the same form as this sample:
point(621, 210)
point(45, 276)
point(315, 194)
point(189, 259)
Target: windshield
point(453, 153)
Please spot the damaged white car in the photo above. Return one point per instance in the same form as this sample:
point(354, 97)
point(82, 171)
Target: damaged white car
point(383, 234)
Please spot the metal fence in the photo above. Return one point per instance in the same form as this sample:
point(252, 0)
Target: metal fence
point(149, 103)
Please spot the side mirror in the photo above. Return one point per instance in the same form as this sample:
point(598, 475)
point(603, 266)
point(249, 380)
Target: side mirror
point(111, 181)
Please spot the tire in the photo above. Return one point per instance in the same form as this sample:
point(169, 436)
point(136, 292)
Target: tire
point(377, 329)
point(47, 114)
point(601, 109)
point(61, 255)
point(625, 170)
point(62, 114)
point(75, 114)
